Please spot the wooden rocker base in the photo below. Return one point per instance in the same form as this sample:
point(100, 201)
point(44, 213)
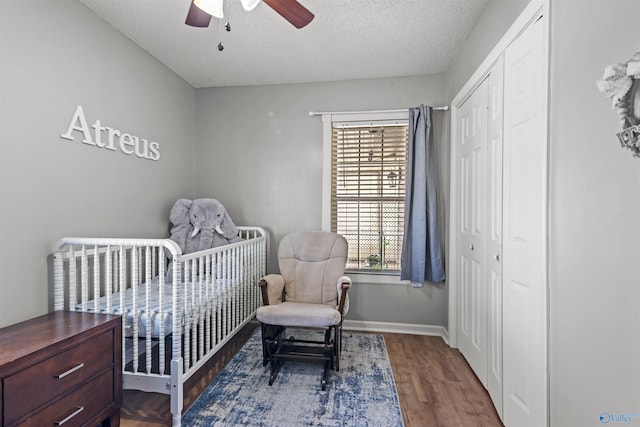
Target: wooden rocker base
point(277, 350)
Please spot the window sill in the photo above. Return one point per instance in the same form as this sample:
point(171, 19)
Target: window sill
point(376, 278)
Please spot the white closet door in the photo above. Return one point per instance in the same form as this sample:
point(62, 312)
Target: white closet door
point(472, 234)
point(524, 266)
point(494, 235)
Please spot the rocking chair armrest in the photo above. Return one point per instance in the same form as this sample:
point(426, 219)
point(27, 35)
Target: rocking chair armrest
point(344, 283)
point(271, 286)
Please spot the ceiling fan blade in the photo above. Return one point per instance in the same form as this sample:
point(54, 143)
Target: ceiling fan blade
point(197, 17)
point(292, 11)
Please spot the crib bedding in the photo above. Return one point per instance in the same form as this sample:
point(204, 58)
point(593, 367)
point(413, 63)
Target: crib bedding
point(219, 291)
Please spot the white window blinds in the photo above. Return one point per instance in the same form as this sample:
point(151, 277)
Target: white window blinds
point(368, 165)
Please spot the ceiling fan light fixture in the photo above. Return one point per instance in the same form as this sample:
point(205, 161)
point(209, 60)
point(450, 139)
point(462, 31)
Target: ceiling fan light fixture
point(201, 11)
point(212, 7)
point(249, 4)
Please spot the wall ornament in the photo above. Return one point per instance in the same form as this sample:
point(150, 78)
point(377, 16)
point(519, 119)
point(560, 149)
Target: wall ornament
point(621, 83)
point(109, 138)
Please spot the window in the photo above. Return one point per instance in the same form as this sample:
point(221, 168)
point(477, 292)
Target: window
point(367, 193)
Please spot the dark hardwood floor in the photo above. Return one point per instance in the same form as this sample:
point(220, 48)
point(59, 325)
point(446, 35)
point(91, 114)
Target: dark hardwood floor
point(436, 386)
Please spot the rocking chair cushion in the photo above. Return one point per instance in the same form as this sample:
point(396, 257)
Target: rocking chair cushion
point(299, 314)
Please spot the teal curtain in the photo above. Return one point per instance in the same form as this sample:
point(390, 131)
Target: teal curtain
point(421, 250)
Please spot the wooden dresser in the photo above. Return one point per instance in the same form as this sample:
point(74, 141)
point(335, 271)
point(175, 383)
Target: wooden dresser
point(62, 369)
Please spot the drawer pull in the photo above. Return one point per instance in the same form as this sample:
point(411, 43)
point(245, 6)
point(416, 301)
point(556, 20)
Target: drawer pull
point(76, 412)
point(70, 371)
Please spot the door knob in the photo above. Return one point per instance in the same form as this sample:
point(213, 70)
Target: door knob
point(498, 257)
point(471, 247)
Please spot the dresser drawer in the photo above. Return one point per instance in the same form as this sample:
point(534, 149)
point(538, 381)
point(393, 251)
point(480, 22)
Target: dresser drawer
point(50, 378)
point(78, 407)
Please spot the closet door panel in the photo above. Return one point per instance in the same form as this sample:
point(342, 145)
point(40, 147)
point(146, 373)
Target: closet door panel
point(472, 235)
point(524, 293)
point(494, 248)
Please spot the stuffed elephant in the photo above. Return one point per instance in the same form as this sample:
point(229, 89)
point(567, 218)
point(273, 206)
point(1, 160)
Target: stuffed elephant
point(201, 224)
point(179, 218)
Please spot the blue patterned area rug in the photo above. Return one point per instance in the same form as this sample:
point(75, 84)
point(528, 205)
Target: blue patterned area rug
point(362, 393)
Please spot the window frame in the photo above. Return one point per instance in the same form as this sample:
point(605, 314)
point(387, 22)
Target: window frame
point(365, 118)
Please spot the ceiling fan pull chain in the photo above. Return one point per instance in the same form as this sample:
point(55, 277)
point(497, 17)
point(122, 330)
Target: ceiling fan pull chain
point(227, 26)
point(220, 45)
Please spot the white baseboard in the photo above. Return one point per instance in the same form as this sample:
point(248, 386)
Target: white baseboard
point(396, 328)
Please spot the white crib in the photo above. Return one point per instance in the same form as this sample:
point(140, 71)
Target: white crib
point(212, 294)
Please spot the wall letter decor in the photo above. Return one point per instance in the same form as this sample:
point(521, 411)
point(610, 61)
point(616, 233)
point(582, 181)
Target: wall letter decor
point(621, 83)
point(111, 139)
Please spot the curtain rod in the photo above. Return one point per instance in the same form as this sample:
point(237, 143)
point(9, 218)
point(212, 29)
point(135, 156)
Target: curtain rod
point(320, 113)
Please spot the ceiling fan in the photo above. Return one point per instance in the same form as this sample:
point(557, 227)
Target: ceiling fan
point(201, 11)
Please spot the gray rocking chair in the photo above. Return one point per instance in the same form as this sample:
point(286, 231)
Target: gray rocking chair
point(310, 292)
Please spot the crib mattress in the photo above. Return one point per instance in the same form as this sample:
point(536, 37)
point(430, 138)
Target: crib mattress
point(157, 317)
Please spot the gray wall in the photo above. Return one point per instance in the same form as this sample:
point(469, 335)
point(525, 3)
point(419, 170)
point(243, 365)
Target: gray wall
point(259, 152)
point(594, 235)
point(55, 55)
point(495, 20)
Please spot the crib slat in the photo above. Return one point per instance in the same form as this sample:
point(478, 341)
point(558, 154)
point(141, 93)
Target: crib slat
point(109, 277)
point(73, 278)
point(161, 313)
point(201, 307)
point(218, 290)
point(147, 310)
point(123, 278)
point(187, 317)
point(84, 278)
point(134, 306)
point(96, 278)
point(208, 296)
point(58, 277)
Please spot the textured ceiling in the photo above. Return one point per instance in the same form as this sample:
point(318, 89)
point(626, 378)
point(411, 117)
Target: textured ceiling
point(348, 39)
